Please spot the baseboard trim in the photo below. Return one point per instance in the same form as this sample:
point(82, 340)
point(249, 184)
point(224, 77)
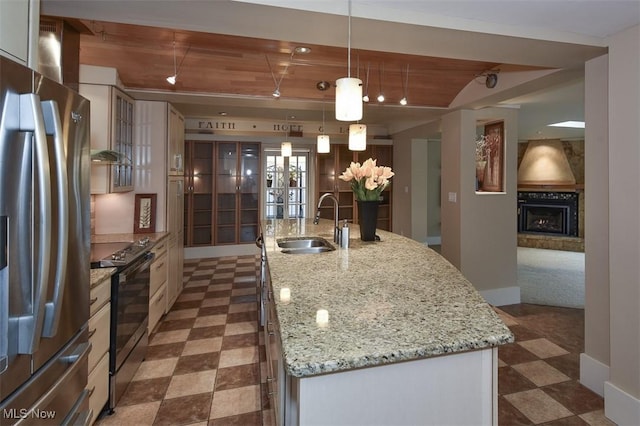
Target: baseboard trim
point(502, 296)
point(619, 406)
point(593, 373)
point(220, 251)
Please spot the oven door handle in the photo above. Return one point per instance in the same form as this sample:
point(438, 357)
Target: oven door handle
point(143, 263)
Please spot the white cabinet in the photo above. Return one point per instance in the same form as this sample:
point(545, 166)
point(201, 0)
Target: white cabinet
point(159, 137)
point(175, 222)
point(276, 378)
point(158, 288)
point(99, 330)
point(175, 154)
point(14, 28)
point(112, 123)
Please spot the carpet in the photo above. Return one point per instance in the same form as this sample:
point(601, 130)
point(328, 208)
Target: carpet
point(551, 277)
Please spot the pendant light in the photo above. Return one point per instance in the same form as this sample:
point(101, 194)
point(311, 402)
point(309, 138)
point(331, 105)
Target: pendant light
point(324, 145)
point(348, 89)
point(357, 137)
point(285, 147)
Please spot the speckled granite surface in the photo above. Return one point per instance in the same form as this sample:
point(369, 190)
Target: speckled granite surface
point(388, 301)
point(101, 274)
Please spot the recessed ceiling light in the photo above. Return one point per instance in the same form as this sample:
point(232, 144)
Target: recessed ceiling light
point(223, 113)
point(570, 124)
point(303, 50)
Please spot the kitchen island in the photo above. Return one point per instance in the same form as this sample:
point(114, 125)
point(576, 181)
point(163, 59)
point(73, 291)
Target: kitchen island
point(384, 332)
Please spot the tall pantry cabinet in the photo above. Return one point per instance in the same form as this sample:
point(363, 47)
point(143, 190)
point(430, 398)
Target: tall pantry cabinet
point(160, 141)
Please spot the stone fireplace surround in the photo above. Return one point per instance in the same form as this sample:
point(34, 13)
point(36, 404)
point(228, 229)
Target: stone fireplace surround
point(574, 151)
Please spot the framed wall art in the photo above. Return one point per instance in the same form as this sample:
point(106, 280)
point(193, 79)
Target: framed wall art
point(490, 159)
point(144, 219)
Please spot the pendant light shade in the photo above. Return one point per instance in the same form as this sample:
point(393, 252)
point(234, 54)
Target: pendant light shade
point(348, 89)
point(357, 137)
point(348, 99)
point(324, 146)
point(285, 149)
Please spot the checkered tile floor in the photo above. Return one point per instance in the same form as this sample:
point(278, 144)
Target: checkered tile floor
point(204, 358)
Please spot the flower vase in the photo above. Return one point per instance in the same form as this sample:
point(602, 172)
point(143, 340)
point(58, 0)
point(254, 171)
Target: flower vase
point(368, 219)
point(481, 168)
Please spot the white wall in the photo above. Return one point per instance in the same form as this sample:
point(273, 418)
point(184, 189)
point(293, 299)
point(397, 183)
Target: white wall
point(594, 365)
point(622, 392)
point(419, 185)
point(479, 233)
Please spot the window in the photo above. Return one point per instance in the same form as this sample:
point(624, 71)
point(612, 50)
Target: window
point(287, 185)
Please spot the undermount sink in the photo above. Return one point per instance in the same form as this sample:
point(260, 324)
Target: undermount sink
point(305, 245)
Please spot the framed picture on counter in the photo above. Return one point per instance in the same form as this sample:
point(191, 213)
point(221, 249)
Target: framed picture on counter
point(144, 219)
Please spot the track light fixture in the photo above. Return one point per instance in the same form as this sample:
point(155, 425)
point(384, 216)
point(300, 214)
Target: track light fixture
point(490, 78)
point(380, 77)
point(365, 98)
point(405, 85)
point(348, 89)
point(176, 68)
point(491, 81)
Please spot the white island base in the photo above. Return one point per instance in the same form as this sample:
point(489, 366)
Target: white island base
point(455, 389)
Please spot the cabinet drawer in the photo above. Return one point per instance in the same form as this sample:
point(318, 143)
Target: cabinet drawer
point(99, 335)
point(99, 296)
point(156, 307)
point(158, 273)
point(160, 248)
point(98, 386)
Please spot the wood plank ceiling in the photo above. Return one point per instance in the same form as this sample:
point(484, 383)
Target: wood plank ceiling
point(249, 67)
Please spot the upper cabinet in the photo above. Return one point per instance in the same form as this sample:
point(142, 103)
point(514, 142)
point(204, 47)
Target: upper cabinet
point(112, 122)
point(175, 155)
point(15, 25)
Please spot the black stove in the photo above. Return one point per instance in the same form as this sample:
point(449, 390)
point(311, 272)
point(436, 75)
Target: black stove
point(117, 254)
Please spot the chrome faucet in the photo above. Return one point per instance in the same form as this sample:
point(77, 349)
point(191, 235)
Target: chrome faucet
point(336, 227)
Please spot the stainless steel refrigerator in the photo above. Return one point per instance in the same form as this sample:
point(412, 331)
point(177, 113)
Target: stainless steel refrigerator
point(44, 250)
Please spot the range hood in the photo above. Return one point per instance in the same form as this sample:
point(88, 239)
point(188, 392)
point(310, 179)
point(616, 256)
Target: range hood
point(545, 164)
point(105, 156)
point(59, 49)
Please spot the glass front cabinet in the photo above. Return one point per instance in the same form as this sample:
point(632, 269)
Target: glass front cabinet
point(237, 192)
point(223, 196)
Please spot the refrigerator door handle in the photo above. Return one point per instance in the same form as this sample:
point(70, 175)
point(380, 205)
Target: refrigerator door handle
point(4, 296)
point(30, 326)
point(53, 126)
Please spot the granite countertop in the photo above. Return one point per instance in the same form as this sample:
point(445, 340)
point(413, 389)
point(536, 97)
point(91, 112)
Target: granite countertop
point(388, 301)
point(101, 274)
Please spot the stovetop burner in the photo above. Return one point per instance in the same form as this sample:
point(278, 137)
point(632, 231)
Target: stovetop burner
point(116, 254)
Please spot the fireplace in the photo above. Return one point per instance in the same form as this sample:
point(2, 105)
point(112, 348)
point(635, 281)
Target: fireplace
point(548, 213)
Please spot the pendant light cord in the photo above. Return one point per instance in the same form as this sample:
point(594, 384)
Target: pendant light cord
point(349, 44)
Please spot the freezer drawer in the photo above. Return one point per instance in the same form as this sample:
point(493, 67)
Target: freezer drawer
point(45, 399)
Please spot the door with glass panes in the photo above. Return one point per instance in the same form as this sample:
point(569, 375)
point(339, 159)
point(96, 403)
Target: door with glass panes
point(286, 189)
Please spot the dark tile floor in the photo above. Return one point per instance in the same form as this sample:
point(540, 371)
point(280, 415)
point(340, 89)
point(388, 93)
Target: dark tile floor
point(204, 360)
